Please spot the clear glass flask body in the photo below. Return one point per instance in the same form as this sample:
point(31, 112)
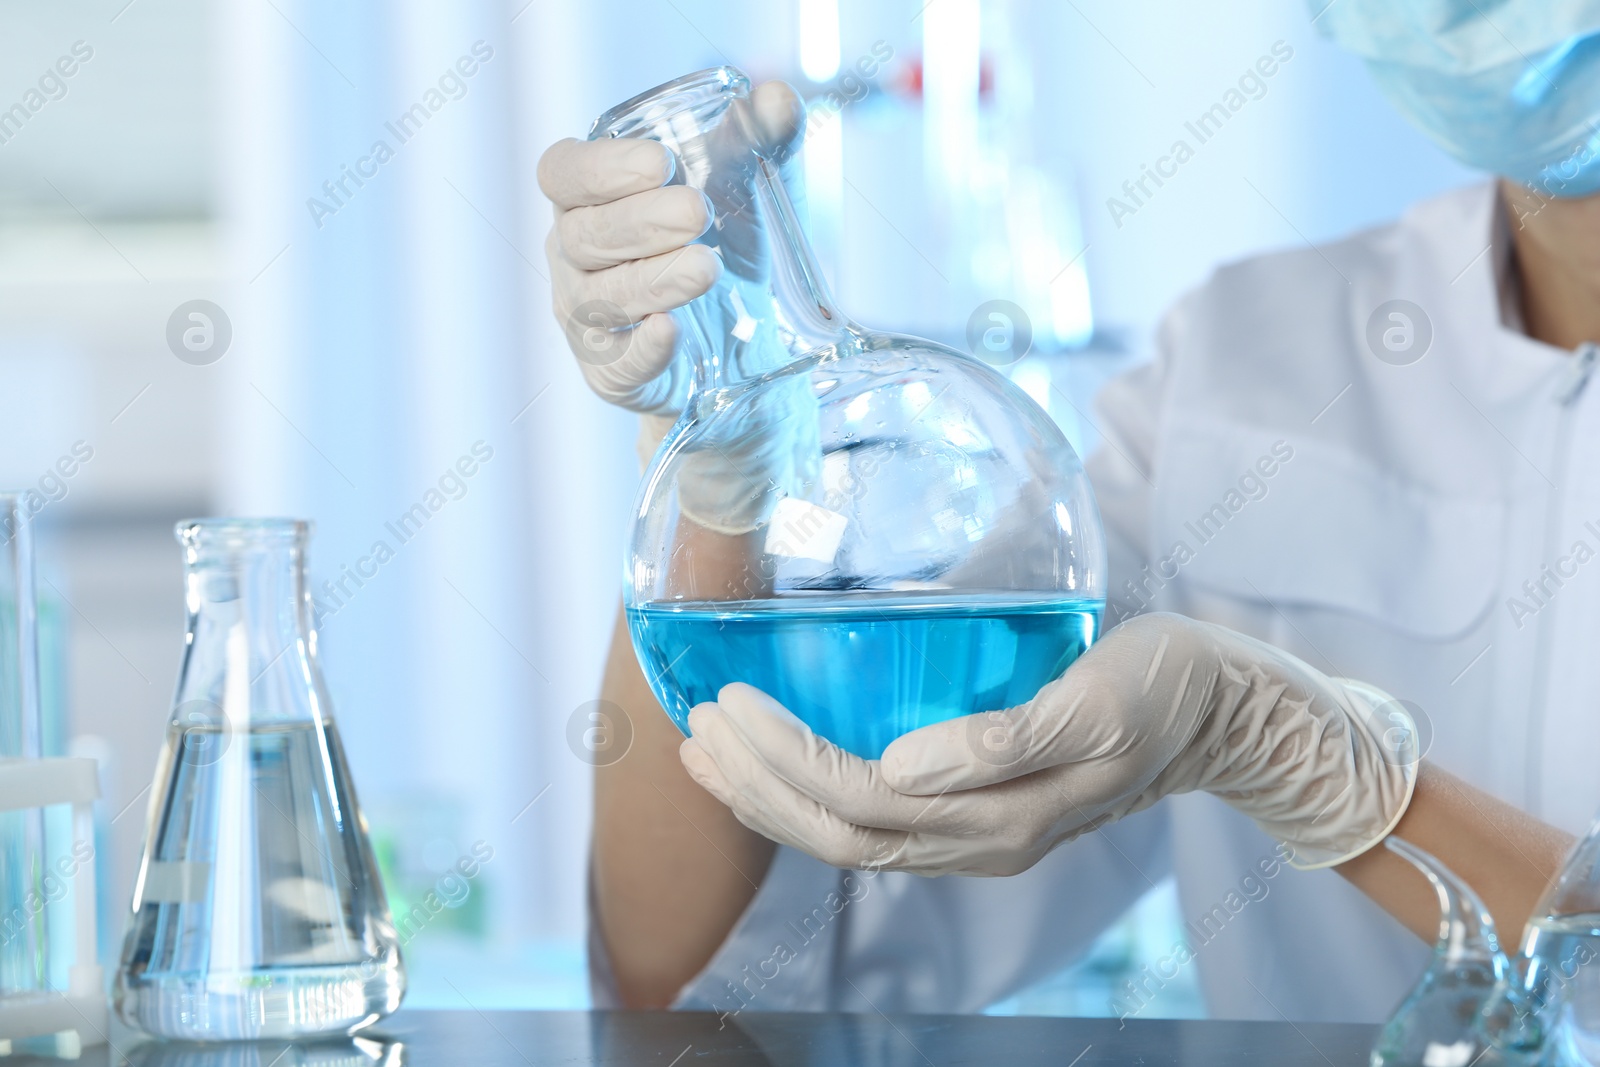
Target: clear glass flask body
point(258, 911)
point(1473, 1005)
point(1440, 1020)
point(879, 531)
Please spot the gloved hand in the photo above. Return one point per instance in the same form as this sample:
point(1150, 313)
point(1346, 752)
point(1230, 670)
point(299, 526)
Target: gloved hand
point(622, 252)
point(632, 244)
point(621, 258)
point(1161, 704)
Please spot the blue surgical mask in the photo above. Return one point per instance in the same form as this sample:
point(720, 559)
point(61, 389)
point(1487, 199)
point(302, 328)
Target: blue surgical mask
point(1511, 87)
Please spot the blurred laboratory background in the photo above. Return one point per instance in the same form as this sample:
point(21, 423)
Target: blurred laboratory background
point(360, 215)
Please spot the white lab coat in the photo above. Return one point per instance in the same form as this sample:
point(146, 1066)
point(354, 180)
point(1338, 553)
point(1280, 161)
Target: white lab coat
point(1391, 546)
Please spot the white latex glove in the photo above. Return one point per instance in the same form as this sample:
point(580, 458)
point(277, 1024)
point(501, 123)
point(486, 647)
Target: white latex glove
point(1159, 705)
point(622, 253)
point(621, 258)
point(624, 262)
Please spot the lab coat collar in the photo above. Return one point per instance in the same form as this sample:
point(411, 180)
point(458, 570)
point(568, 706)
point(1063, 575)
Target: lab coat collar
point(1465, 239)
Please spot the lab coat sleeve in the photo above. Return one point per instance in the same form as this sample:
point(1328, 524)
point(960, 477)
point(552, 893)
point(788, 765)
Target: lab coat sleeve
point(819, 939)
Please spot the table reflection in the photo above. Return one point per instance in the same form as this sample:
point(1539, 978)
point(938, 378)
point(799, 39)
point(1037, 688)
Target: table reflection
point(755, 1039)
point(340, 1052)
point(500, 1038)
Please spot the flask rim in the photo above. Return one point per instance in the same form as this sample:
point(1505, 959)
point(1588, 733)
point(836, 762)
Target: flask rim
point(688, 93)
point(240, 532)
point(15, 513)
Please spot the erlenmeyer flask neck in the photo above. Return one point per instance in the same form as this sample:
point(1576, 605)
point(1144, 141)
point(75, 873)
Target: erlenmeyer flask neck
point(1576, 890)
point(251, 643)
point(772, 304)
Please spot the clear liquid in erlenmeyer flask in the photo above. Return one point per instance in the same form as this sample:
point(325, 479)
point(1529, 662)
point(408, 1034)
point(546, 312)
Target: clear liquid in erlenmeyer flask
point(858, 670)
point(295, 952)
point(1563, 954)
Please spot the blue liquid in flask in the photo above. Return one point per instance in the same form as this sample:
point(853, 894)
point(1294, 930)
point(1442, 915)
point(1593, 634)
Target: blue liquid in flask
point(863, 670)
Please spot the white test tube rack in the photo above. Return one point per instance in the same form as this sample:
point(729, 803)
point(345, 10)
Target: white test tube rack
point(76, 1016)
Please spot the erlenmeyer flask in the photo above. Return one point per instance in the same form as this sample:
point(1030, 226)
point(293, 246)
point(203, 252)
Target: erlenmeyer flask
point(879, 531)
point(258, 912)
point(1560, 966)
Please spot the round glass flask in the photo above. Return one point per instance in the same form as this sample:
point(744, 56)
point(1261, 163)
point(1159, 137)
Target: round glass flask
point(879, 531)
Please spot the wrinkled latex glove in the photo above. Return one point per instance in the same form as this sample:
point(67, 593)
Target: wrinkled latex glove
point(625, 251)
point(621, 258)
point(632, 245)
point(1161, 704)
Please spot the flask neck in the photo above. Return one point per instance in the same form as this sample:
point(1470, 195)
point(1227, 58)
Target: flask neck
point(251, 646)
point(804, 303)
point(752, 324)
point(1466, 928)
point(1576, 890)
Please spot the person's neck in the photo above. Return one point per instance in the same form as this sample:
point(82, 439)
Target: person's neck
point(1557, 248)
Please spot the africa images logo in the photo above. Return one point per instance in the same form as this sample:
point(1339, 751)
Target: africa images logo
point(339, 190)
point(1251, 85)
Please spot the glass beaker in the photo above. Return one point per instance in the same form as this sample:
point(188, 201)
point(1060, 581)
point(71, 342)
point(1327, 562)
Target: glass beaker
point(879, 531)
point(258, 911)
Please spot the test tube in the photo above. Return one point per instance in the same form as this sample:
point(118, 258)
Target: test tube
point(23, 955)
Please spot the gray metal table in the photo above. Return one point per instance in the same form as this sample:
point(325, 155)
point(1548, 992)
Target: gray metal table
point(680, 1039)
